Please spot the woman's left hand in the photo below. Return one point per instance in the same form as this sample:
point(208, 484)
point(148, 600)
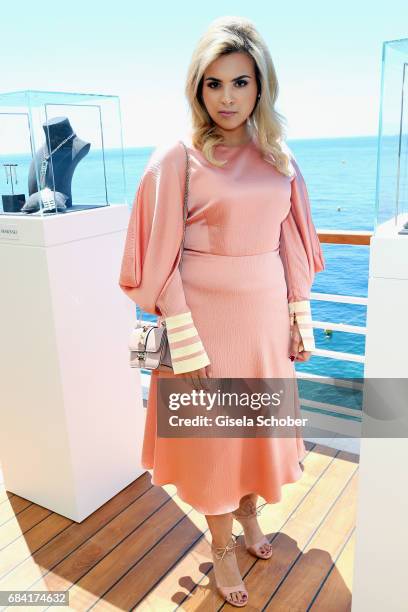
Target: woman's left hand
point(296, 345)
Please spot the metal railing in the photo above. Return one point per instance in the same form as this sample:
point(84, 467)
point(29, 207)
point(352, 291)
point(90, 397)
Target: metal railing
point(350, 238)
point(341, 237)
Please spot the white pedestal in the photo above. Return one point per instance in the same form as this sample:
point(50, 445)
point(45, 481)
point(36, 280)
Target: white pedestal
point(72, 417)
point(380, 565)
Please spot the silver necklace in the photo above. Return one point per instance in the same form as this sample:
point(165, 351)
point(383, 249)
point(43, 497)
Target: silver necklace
point(46, 157)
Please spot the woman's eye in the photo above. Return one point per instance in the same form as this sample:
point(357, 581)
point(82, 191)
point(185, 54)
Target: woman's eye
point(240, 83)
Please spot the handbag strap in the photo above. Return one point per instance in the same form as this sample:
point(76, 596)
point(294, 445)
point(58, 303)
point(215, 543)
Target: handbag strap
point(185, 213)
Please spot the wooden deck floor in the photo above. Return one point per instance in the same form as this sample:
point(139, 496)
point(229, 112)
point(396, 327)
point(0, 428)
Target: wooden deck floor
point(145, 549)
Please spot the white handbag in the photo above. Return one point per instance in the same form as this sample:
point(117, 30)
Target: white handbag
point(148, 343)
point(149, 347)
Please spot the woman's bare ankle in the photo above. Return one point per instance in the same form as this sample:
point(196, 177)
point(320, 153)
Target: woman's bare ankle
point(221, 529)
point(222, 542)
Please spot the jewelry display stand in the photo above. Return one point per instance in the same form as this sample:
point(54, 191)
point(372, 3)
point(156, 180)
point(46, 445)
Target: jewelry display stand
point(380, 564)
point(72, 416)
point(68, 148)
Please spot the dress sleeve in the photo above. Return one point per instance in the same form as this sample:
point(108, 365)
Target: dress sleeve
point(301, 256)
point(149, 272)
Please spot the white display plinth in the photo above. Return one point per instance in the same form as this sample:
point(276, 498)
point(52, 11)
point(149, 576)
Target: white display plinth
point(380, 566)
point(72, 416)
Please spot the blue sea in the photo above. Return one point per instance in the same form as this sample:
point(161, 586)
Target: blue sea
point(340, 174)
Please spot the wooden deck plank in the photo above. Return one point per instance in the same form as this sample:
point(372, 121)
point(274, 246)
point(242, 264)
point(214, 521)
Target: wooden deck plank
point(11, 507)
point(315, 560)
point(265, 578)
point(17, 526)
point(187, 574)
point(104, 559)
point(133, 587)
point(315, 464)
point(18, 556)
point(92, 559)
point(262, 577)
point(151, 551)
point(47, 544)
point(335, 594)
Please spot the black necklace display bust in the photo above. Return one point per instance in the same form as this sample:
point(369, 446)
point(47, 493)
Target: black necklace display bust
point(56, 161)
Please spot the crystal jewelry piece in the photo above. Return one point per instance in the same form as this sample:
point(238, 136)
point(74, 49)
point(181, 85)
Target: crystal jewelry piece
point(47, 197)
point(10, 170)
point(46, 157)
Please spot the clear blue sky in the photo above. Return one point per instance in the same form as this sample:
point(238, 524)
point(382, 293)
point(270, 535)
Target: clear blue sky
point(327, 56)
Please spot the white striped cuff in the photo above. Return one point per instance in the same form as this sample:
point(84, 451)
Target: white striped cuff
point(300, 311)
point(186, 349)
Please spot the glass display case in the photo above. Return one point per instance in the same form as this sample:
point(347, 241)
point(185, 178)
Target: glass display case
point(60, 152)
point(392, 159)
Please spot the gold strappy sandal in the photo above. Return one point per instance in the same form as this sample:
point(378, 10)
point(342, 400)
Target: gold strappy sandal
point(255, 548)
point(226, 591)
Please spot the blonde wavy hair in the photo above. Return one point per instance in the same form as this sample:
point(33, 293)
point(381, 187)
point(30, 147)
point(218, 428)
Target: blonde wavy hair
point(228, 35)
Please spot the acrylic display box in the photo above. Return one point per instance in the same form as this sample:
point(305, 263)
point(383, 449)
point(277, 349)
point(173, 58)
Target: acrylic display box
point(60, 152)
point(392, 159)
point(72, 416)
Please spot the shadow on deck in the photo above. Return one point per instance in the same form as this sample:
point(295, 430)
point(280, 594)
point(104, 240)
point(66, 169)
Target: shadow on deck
point(146, 549)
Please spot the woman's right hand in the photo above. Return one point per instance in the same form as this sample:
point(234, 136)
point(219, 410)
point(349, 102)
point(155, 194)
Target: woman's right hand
point(201, 372)
point(199, 376)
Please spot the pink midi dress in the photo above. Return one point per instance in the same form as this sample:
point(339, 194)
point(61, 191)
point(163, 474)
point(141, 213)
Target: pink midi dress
point(250, 255)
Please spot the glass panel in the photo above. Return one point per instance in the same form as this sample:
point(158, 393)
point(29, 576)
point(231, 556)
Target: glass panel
point(392, 166)
point(15, 158)
point(64, 150)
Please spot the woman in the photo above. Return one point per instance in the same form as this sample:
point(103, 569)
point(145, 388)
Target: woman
point(240, 306)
